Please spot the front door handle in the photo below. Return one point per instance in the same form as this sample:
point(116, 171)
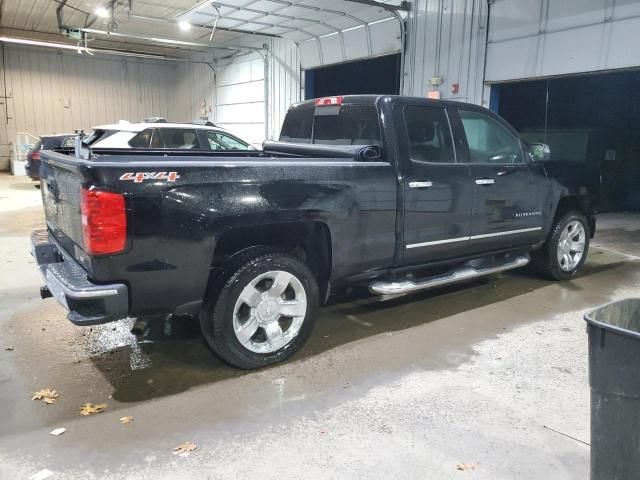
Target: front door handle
point(485, 181)
point(425, 184)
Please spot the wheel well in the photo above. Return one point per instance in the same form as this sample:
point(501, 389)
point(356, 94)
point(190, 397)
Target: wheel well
point(309, 241)
point(581, 204)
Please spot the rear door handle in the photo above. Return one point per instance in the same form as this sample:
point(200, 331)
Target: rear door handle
point(485, 181)
point(425, 184)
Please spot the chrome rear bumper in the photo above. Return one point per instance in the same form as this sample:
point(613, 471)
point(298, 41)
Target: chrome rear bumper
point(88, 303)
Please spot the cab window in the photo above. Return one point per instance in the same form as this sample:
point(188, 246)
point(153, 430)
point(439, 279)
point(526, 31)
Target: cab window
point(298, 125)
point(429, 134)
point(141, 139)
point(346, 124)
point(175, 139)
point(489, 141)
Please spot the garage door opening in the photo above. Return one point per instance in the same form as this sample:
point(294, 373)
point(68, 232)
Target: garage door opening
point(379, 75)
point(591, 124)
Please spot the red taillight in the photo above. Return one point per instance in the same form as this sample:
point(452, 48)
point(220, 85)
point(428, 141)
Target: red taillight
point(35, 155)
point(328, 101)
point(104, 222)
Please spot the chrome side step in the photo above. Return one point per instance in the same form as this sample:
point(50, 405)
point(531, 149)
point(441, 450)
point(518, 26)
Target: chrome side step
point(464, 273)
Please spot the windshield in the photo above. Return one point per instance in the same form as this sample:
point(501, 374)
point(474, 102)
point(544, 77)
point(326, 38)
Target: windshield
point(224, 141)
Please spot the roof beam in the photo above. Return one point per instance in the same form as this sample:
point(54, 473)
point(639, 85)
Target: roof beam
point(404, 6)
point(164, 41)
point(242, 21)
point(208, 27)
point(279, 15)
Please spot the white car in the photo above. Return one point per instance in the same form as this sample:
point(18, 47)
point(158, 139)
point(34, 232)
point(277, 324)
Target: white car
point(162, 135)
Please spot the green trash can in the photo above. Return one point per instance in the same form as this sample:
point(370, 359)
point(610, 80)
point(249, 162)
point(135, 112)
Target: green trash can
point(614, 377)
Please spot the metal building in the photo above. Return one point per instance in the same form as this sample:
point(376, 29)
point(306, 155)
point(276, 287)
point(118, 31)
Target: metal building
point(561, 71)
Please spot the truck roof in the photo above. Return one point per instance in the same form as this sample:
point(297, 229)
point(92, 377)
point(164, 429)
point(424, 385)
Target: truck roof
point(373, 99)
point(139, 126)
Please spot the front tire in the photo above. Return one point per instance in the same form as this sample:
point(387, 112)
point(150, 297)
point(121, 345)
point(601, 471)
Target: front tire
point(260, 309)
point(565, 251)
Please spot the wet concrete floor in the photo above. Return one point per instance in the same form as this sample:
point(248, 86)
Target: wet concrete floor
point(490, 374)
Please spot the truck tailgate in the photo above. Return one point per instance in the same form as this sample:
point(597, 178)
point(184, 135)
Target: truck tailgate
point(61, 184)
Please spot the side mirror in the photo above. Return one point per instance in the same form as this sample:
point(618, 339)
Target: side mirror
point(540, 152)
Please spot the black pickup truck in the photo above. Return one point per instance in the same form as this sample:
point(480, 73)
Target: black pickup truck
point(395, 193)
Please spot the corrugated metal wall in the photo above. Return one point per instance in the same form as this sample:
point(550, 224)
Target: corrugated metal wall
point(284, 82)
point(556, 37)
point(193, 95)
point(446, 39)
point(55, 92)
point(240, 98)
point(237, 91)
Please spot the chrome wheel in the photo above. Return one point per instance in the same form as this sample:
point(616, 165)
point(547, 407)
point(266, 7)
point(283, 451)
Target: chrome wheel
point(269, 312)
point(571, 246)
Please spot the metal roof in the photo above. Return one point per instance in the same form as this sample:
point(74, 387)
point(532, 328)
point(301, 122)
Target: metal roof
point(296, 20)
point(149, 22)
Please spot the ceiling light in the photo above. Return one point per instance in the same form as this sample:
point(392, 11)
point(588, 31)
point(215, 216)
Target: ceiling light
point(38, 43)
point(102, 12)
point(79, 49)
point(184, 25)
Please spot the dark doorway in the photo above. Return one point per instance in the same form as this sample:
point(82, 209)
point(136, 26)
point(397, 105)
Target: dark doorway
point(591, 124)
point(379, 75)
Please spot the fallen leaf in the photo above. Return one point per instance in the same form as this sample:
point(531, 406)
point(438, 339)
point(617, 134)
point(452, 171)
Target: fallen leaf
point(9, 349)
point(126, 420)
point(465, 467)
point(184, 449)
point(57, 431)
point(90, 408)
point(48, 396)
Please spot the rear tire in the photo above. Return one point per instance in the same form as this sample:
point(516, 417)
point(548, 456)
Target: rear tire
point(260, 308)
point(565, 251)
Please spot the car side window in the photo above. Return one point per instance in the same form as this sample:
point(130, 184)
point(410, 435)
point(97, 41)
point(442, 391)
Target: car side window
point(140, 140)
point(175, 139)
point(222, 141)
point(429, 134)
point(489, 141)
point(68, 142)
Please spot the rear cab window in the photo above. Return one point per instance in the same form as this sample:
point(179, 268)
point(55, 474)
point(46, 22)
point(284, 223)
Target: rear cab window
point(346, 124)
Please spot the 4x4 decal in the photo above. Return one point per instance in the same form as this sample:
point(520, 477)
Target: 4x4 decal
point(139, 177)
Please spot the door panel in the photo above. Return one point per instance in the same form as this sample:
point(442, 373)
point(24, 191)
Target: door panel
point(507, 212)
point(437, 190)
point(507, 194)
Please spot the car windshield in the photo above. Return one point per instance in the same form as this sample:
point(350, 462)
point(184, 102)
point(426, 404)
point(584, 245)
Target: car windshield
point(224, 141)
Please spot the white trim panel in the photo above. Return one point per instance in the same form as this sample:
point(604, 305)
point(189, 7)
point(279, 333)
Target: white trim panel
point(474, 237)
